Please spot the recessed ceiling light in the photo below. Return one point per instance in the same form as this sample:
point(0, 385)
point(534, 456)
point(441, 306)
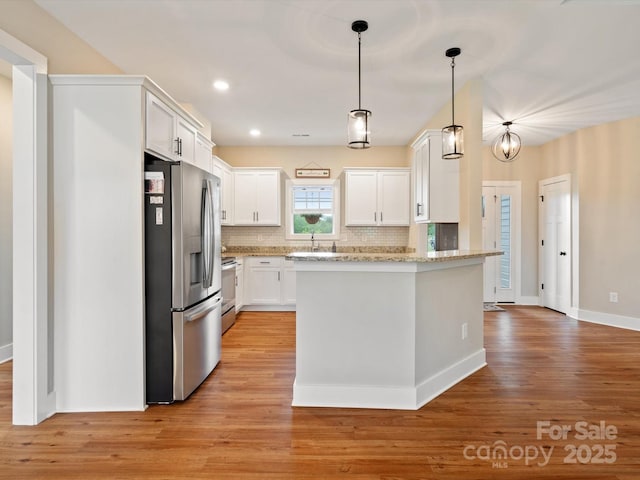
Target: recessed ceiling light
point(221, 85)
point(254, 132)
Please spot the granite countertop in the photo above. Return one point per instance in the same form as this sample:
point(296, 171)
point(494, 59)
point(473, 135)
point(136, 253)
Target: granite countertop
point(253, 251)
point(443, 256)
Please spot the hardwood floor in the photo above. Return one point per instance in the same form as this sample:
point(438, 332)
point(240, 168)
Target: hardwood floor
point(542, 367)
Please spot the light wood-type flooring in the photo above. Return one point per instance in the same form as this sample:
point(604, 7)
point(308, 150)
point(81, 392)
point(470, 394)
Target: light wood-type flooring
point(542, 367)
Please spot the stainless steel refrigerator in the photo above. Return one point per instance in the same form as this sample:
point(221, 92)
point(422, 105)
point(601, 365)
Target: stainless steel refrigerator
point(182, 278)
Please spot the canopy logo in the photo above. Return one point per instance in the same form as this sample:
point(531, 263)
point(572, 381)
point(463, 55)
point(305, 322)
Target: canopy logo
point(592, 450)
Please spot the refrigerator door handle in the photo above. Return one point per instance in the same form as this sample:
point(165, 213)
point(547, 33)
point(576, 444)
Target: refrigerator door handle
point(203, 309)
point(207, 234)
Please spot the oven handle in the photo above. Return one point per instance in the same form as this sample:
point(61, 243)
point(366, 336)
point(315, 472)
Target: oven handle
point(229, 266)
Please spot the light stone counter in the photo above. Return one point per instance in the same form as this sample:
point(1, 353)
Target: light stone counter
point(386, 330)
point(444, 256)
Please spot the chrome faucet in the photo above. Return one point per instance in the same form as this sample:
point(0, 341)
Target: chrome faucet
point(314, 247)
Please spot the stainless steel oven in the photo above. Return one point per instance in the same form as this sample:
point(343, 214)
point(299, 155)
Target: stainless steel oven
point(228, 292)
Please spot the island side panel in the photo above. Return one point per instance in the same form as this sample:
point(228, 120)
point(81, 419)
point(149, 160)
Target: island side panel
point(355, 336)
point(446, 300)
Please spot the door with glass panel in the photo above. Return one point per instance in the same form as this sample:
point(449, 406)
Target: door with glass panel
point(500, 210)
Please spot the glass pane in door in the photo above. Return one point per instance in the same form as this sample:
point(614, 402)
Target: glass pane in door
point(505, 241)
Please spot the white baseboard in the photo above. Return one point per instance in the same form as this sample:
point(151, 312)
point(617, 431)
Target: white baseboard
point(528, 300)
point(268, 308)
point(387, 397)
point(619, 321)
point(447, 378)
point(6, 353)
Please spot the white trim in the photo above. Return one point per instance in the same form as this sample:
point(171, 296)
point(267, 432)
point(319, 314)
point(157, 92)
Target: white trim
point(574, 212)
point(399, 398)
point(528, 300)
point(33, 389)
point(6, 353)
point(609, 319)
point(288, 213)
point(516, 253)
point(268, 308)
point(450, 376)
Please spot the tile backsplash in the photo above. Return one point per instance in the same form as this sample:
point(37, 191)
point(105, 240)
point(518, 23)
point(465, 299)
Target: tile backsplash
point(349, 237)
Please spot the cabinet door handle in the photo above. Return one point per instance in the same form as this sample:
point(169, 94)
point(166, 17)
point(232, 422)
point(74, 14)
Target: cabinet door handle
point(381, 221)
point(418, 209)
point(177, 152)
point(375, 217)
point(257, 216)
point(278, 276)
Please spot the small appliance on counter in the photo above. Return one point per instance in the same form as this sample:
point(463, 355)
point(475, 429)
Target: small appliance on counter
point(228, 292)
point(182, 278)
point(442, 236)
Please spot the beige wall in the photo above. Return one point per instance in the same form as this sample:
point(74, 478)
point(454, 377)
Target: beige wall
point(335, 158)
point(66, 52)
point(6, 238)
point(605, 160)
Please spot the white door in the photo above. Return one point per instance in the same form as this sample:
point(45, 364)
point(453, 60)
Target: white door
point(361, 195)
point(555, 243)
point(500, 231)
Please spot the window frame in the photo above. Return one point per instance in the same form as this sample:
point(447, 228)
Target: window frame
point(331, 182)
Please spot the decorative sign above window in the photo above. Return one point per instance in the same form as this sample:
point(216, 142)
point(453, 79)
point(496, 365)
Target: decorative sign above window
point(313, 172)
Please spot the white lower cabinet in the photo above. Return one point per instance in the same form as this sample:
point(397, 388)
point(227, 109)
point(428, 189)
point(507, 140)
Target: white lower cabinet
point(239, 283)
point(270, 283)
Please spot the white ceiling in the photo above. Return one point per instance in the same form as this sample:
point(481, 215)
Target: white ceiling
point(550, 66)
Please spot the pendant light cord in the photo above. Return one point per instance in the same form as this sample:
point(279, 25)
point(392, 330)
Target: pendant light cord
point(359, 80)
point(453, 65)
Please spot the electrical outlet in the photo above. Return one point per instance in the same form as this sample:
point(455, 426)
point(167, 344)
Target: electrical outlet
point(613, 297)
point(259, 238)
point(465, 330)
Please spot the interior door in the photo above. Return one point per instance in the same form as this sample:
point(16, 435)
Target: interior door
point(555, 243)
point(500, 210)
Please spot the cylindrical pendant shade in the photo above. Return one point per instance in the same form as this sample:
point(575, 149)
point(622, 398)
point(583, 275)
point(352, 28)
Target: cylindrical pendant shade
point(358, 128)
point(452, 142)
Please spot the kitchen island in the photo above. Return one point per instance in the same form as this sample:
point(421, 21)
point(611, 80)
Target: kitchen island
point(386, 330)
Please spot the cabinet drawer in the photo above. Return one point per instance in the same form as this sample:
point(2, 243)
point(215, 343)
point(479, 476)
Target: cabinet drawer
point(265, 261)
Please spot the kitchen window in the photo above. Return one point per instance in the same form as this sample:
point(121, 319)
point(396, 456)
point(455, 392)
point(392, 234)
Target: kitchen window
point(313, 207)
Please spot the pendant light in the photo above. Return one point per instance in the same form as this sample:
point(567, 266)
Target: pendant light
point(506, 146)
point(452, 136)
point(358, 124)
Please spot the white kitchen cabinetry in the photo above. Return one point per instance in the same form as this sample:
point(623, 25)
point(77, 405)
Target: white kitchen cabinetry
point(168, 133)
point(377, 197)
point(225, 173)
point(436, 181)
point(98, 276)
point(288, 283)
point(239, 283)
point(256, 196)
point(269, 284)
point(203, 153)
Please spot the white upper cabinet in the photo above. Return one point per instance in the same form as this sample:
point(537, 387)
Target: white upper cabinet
point(378, 197)
point(224, 172)
point(256, 197)
point(167, 133)
point(436, 181)
point(160, 128)
point(203, 153)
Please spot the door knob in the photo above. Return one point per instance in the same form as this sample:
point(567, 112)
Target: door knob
point(563, 253)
